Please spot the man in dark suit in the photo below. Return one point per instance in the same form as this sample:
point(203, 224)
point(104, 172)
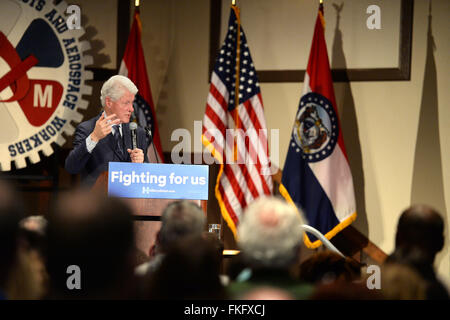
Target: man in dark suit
point(107, 137)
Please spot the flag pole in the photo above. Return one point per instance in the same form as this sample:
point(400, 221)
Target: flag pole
point(137, 3)
point(322, 19)
point(236, 86)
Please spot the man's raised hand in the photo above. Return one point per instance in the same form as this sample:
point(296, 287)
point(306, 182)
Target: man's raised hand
point(103, 127)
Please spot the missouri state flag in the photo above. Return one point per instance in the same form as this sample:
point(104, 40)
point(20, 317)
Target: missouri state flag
point(316, 175)
point(133, 66)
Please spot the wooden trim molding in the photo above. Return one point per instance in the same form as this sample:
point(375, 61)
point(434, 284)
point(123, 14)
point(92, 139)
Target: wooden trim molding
point(402, 72)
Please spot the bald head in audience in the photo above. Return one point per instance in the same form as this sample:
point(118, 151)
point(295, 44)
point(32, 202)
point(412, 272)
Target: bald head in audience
point(421, 227)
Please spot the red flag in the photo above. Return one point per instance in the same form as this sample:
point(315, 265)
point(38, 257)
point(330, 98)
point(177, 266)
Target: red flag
point(316, 174)
point(244, 172)
point(133, 66)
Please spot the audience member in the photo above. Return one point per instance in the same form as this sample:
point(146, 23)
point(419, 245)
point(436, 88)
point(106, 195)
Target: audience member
point(29, 278)
point(140, 257)
point(419, 237)
point(328, 266)
point(235, 266)
point(269, 237)
point(11, 211)
point(344, 290)
point(178, 220)
point(95, 234)
point(189, 270)
point(400, 282)
point(267, 293)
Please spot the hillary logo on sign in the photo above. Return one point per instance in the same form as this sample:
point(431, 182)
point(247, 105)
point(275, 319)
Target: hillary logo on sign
point(316, 128)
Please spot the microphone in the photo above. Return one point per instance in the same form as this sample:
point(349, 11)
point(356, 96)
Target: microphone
point(133, 127)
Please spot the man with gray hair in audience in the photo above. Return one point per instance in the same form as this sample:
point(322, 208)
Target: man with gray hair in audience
point(107, 137)
point(269, 236)
point(178, 220)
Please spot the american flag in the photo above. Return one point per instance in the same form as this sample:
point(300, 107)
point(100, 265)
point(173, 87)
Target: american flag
point(244, 173)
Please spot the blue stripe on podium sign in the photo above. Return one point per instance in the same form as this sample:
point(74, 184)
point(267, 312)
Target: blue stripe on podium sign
point(158, 181)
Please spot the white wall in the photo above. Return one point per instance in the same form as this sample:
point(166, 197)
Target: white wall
point(380, 119)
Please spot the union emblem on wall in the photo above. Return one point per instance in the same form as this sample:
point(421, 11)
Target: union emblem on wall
point(42, 79)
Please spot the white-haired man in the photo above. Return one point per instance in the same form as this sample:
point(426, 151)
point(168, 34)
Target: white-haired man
point(107, 136)
point(269, 236)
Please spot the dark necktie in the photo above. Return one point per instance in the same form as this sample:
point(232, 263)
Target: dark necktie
point(119, 143)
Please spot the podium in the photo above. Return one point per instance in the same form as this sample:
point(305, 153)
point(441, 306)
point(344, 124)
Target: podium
point(146, 213)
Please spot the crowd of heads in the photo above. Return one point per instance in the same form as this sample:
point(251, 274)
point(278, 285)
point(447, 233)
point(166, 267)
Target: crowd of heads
point(92, 234)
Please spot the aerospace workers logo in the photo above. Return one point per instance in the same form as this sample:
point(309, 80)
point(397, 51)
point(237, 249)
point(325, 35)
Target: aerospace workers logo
point(316, 128)
point(42, 79)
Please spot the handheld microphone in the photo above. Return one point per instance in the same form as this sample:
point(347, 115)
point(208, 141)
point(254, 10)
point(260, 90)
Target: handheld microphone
point(133, 127)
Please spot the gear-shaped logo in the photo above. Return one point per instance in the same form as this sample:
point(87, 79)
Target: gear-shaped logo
point(42, 79)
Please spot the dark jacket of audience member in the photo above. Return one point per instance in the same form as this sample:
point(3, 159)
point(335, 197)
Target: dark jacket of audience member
point(189, 270)
point(94, 233)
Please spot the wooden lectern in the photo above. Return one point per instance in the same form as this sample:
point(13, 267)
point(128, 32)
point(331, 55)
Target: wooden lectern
point(146, 214)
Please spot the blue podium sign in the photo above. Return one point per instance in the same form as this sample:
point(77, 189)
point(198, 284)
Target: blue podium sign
point(158, 181)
